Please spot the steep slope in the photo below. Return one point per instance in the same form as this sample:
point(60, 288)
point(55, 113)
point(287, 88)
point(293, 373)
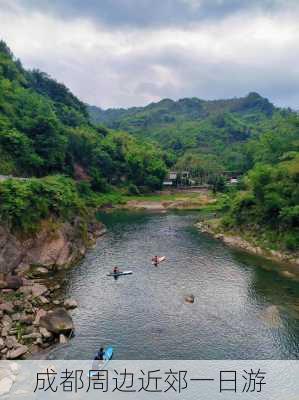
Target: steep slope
point(65, 163)
point(45, 129)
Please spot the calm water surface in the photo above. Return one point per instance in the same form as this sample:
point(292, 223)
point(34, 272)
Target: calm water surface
point(240, 311)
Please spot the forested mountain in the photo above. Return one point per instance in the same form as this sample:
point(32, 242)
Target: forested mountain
point(45, 131)
point(267, 202)
point(217, 128)
point(246, 135)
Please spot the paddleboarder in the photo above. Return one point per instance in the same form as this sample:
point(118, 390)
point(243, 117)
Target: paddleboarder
point(155, 261)
point(115, 270)
point(100, 354)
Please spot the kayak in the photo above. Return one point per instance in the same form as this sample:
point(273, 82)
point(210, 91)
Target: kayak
point(99, 365)
point(160, 259)
point(120, 273)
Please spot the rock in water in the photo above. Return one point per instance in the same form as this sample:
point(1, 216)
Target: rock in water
point(62, 339)
point(57, 321)
point(189, 299)
point(70, 304)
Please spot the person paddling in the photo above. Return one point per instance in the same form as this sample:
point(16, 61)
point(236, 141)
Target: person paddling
point(156, 261)
point(115, 270)
point(100, 354)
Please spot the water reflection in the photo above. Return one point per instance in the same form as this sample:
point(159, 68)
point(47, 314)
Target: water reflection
point(240, 310)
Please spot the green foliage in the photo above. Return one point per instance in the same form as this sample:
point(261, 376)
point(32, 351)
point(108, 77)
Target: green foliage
point(45, 129)
point(219, 128)
point(24, 203)
point(271, 200)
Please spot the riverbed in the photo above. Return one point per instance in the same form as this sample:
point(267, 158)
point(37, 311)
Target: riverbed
point(243, 308)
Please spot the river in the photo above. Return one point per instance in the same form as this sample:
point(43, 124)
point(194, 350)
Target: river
point(243, 308)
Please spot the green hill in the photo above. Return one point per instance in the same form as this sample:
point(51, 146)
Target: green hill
point(45, 131)
point(216, 127)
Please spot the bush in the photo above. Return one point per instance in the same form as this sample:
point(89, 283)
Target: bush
point(291, 241)
point(133, 190)
point(24, 203)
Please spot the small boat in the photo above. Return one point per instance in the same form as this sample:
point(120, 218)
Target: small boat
point(100, 365)
point(159, 260)
point(120, 273)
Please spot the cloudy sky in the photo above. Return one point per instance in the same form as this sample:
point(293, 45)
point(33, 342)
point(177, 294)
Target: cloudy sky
point(120, 53)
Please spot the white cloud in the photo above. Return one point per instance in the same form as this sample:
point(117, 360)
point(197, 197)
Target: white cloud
point(124, 67)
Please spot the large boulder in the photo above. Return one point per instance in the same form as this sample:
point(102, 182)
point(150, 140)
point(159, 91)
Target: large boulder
point(17, 353)
point(13, 282)
point(57, 321)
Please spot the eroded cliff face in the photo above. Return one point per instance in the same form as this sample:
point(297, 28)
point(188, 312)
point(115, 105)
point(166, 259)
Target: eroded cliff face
point(55, 246)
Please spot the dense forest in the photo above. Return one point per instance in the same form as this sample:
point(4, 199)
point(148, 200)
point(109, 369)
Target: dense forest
point(245, 135)
point(215, 130)
point(64, 161)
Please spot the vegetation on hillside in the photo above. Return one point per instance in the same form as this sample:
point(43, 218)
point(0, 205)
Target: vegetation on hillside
point(45, 130)
point(246, 137)
point(218, 128)
point(268, 203)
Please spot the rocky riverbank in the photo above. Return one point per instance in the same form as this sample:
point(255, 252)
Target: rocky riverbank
point(32, 318)
point(167, 201)
point(55, 246)
point(289, 261)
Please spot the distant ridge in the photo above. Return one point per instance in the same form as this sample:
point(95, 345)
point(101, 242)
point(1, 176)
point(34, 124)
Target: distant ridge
point(167, 110)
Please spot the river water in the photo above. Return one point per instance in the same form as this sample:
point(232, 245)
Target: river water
point(243, 308)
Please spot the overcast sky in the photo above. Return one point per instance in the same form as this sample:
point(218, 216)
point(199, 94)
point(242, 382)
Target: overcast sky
point(121, 53)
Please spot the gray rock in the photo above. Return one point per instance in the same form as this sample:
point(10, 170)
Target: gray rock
point(189, 299)
point(26, 290)
point(22, 269)
point(38, 341)
point(18, 352)
point(40, 313)
point(43, 300)
point(2, 344)
point(6, 321)
point(4, 331)
point(62, 339)
point(11, 342)
point(45, 333)
point(7, 308)
point(70, 304)
point(13, 282)
point(38, 290)
point(41, 271)
point(57, 321)
point(27, 319)
point(33, 335)
point(16, 317)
